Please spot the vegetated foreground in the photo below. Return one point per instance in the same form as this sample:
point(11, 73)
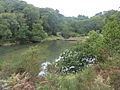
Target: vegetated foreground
point(92, 64)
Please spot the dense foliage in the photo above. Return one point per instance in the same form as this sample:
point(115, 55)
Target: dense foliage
point(93, 64)
point(87, 52)
point(24, 22)
point(97, 48)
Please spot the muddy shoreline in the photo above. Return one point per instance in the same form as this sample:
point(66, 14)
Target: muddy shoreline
point(64, 39)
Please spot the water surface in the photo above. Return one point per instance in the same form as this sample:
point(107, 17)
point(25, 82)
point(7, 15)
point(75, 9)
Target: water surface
point(48, 50)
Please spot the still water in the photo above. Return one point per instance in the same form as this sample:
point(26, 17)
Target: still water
point(48, 50)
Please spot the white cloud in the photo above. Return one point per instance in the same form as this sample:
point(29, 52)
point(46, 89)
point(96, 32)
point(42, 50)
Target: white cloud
point(75, 7)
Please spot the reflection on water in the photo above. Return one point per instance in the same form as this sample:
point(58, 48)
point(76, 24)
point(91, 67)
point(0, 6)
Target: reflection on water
point(52, 49)
point(48, 50)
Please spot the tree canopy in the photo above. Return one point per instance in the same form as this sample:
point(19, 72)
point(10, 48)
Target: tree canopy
point(23, 22)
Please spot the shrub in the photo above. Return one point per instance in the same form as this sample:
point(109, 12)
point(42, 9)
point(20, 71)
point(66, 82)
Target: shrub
point(83, 54)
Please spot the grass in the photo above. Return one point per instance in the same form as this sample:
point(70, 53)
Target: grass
point(102, 76)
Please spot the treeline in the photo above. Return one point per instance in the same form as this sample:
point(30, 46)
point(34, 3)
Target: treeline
point(24, 22)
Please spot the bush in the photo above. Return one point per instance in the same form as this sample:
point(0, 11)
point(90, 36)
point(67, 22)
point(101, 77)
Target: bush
point(111, 35)
point(70, 34)
point(83, 54)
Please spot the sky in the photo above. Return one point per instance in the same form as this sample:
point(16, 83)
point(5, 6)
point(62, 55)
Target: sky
point(76, 7)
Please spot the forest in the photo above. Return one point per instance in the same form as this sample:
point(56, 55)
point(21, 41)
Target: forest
point(22, 22)
point(89, 64)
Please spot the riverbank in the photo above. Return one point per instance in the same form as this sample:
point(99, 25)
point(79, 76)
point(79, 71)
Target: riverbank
point(50, 38)
point(75, 38)
point(66, 39)
point(13, 43)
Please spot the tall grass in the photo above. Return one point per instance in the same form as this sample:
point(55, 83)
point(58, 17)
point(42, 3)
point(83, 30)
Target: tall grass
point(102, 76)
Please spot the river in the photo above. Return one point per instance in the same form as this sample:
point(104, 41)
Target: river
point(48, 50)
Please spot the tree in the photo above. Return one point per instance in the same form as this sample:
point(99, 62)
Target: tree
point(111, 35)
point(51, 20)
point(22, 33)
point(38, 33)
point(5, 32)
point(82, 17)
point(31, 15)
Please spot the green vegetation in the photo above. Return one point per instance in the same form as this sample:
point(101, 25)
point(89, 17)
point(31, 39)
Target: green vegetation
point(101, 76)
point(76, 71)
point(22, 22)
point(87, 52)
point(91, 64)
point(14, 56)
